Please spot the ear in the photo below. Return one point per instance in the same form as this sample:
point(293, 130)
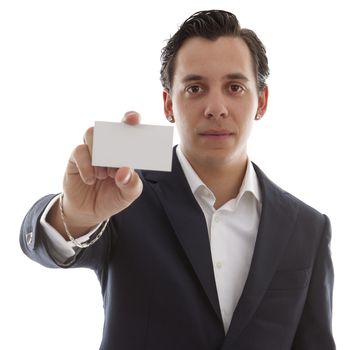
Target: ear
point(167, 103)
point(262, 102)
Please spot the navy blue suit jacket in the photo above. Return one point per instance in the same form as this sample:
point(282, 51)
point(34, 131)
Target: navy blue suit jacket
point(155, 269)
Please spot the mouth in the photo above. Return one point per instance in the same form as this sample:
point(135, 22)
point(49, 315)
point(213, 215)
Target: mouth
point(221, 133)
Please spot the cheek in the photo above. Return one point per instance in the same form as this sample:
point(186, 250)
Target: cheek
point(247, 107)
point(182, 127)
point(245, 121)
point(180, 107)
point(183, 121)
point(245, 113)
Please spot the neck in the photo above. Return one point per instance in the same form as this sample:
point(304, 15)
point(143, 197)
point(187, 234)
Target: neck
point(223, 180)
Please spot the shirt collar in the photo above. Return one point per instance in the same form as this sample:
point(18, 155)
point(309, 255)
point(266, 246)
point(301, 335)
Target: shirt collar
point(250, 181)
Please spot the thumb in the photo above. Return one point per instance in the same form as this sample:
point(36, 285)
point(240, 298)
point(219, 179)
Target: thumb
point(123, 176)
point(128, 183)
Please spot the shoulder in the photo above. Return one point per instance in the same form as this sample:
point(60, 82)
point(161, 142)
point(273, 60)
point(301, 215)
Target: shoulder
point(271, 189)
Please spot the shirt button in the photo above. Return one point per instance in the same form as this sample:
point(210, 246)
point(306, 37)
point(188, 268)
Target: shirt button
point(217, 219)
point(218, 265)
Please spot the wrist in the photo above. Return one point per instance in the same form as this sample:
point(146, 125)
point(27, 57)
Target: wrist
point(54, 218)
point(68, 232)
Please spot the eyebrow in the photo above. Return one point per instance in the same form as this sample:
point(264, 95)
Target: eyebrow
point(231, 76)
point(236, 76)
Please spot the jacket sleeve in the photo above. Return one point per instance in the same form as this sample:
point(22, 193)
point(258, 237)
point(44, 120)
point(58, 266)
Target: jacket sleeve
point(315, 327)
point(34, 242)
point(32, 239)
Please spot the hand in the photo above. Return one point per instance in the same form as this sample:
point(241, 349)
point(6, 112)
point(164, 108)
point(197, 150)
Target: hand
point(93, 194)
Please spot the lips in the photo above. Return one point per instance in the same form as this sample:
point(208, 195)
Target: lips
point(217, 133)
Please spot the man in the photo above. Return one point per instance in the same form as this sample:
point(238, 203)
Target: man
point(212, 255)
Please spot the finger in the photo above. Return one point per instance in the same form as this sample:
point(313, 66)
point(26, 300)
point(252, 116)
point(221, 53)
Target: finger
point(80, 161)
point(100, 172)
point(131, 118)
point(129, 184)
point(111, 172)
point(88, 138)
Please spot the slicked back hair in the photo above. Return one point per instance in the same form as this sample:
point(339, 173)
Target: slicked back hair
point(211, 25)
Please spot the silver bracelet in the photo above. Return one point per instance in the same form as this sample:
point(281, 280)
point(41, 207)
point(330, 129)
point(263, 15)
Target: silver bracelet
point(72, 239)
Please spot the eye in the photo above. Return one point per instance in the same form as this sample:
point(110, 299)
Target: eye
point(236, 89)
point(194, 89)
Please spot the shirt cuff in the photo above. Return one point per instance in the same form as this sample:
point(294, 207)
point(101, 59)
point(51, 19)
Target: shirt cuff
point(59, 248)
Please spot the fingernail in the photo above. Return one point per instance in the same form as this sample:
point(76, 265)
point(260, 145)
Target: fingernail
point(127, 178)
point(90, 181)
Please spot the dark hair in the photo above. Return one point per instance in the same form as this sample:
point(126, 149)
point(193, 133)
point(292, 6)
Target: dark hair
point(212, 25)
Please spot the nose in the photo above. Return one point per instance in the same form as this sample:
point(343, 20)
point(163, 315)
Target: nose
point(216, 107)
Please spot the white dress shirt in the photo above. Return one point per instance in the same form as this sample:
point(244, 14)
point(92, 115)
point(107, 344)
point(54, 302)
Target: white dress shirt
point(232, 233)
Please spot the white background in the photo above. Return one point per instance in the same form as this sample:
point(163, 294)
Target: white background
point(64, 64)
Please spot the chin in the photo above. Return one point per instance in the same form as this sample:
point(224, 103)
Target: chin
point(218, 157)
point(225, 155)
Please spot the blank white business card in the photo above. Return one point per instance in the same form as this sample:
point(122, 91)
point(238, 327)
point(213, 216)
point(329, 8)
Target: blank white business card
point(147, 147)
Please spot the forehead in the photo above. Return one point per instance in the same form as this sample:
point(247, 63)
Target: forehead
point(208, 58)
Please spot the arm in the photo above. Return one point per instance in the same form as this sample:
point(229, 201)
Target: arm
point(315, 327)
point(31, 237)
point(91, 195)
point(61, 249)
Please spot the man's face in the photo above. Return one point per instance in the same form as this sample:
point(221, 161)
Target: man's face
point(214, 100)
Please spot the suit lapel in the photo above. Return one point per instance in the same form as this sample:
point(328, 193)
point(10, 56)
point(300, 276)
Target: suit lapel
point(277, 221)
point(188, 222)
